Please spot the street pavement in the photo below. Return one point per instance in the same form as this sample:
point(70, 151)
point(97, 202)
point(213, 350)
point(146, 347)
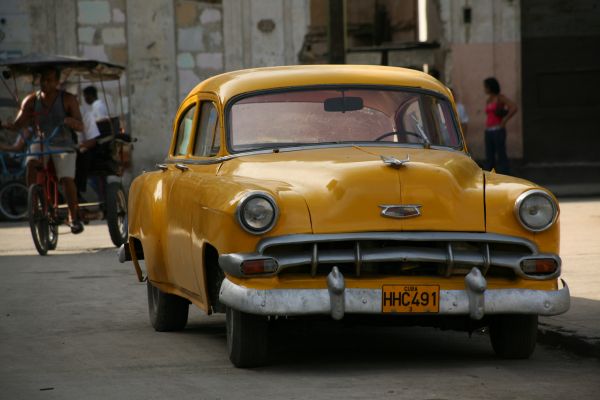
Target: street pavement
point(74, 325)
point(579, 328)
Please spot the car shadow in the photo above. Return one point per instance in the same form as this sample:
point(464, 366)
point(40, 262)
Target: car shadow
point(299, 344)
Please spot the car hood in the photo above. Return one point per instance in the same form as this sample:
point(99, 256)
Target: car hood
point(344, 187)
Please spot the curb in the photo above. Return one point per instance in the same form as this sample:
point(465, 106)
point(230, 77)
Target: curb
point(568, 340)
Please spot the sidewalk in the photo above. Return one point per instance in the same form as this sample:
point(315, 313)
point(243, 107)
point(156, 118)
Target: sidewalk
point(578, 330)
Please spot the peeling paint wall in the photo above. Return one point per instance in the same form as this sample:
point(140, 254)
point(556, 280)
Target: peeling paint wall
point(101, 34)
point(487, 46)
point(152, 78)
point(262, 33)
point(199, 42)
point(168, 47)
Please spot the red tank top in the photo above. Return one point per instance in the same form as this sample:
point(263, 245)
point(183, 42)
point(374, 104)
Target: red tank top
point(492, 118)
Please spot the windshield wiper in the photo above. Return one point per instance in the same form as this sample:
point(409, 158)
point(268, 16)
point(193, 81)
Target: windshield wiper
point(426, 142)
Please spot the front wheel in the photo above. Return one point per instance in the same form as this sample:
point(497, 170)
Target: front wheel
point(116, 213)
point(37, 208)
point(13, 200)
point(247, 341)
point(167, 312)
point(514, 336)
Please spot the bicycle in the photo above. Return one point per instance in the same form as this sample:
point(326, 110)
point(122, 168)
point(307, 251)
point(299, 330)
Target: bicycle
point(42, 199)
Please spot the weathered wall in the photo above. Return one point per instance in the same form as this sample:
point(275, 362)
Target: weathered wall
point(263, 32)
point(199, 42)
point(168, 47)
point(101, 34)
point(152, 78)
point(488, 46)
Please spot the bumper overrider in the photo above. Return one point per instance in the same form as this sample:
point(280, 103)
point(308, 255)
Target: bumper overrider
point(475, 300)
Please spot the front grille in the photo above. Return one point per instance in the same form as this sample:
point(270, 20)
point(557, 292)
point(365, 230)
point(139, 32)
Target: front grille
point(398, 253)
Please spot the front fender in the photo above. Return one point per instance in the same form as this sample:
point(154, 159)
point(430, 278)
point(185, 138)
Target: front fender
point(501, 193)
point(215, 215)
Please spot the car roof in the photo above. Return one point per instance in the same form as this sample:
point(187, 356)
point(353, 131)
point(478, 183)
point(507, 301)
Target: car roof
point(233, 83)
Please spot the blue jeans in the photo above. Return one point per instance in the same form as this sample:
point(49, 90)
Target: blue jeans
point(495, 151)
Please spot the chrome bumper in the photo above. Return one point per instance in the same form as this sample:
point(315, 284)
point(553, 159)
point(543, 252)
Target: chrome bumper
point(475, 301)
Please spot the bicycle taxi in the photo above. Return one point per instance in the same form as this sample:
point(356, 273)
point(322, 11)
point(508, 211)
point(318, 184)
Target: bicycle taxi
point(110, 157)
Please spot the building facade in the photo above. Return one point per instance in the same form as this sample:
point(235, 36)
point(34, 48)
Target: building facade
point(170, 46)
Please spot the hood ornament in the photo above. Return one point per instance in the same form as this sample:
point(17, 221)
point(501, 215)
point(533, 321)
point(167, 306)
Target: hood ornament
point(393, 162)
point(400, 210)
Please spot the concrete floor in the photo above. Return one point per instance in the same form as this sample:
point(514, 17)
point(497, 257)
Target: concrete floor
point(74, 325)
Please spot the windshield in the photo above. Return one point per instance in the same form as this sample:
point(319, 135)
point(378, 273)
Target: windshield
point(341, 115)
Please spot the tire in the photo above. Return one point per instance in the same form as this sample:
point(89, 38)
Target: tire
point(13, 201)
point(167, 312)
point(116, 213)
point(514, 336)
point(247, 341)
point(52, 236)
point(38, 218)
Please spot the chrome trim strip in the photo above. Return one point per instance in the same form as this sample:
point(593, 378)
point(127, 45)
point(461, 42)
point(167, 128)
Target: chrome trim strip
point(314, 260)
point(487, 261)
point(288, 302)
point(358, 258)
point(400, 236)
point(449, 261)
point(221, 159)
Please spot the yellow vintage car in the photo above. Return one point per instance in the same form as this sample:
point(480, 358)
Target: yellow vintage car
point(342, 191)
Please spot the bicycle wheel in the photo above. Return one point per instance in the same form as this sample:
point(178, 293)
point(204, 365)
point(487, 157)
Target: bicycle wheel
point(13, 201)
point(116, 213)
point(38, 218)
point(52, 236)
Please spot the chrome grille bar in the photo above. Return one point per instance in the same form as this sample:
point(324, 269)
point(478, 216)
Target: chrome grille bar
point(449, 250)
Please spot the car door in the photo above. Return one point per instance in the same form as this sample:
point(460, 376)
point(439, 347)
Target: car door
point(179, 226)
point(193, 185)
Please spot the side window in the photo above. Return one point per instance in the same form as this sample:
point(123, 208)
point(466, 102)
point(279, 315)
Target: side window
point(184, 132)
point(208, 137)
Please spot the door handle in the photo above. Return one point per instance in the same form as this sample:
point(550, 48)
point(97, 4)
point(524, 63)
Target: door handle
point(182, 167)
point(162, 167)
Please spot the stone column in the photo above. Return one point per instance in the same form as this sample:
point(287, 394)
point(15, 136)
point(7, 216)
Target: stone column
point(152, 79)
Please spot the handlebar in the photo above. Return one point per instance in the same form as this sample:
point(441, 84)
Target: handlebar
point(45, 141)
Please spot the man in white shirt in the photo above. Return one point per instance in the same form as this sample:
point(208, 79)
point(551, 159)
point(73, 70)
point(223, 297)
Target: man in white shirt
point(86, 141)
point(97, 107)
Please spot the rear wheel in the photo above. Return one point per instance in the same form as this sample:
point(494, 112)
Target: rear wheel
point(167, 312)
point(247, 341)
point(13, 201)
point(514, 336)
point(116, 213)
point(38, 218)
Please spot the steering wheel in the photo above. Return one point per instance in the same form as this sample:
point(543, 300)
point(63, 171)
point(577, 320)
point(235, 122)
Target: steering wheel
point(399, 133)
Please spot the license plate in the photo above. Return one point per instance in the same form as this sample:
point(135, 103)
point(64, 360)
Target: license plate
point(410, 299)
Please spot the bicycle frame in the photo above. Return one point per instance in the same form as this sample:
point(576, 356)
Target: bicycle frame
point(46, 177)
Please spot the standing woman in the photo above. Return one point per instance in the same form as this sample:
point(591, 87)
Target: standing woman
point(499, 109)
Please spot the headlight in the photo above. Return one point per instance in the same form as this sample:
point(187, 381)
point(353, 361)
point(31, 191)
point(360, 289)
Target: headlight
point(257, 212)
point(536, 210)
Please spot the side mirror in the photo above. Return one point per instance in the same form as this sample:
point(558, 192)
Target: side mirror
point(343, 104)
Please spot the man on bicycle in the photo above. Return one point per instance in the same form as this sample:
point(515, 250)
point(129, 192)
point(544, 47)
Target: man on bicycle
point(45, 111)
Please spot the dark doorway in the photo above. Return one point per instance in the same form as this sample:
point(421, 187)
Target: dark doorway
point(561, 86)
